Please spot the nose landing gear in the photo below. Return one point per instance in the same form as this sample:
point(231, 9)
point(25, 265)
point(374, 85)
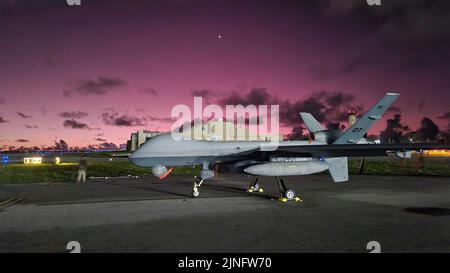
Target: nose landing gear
point(195, 192)
point(205, 173)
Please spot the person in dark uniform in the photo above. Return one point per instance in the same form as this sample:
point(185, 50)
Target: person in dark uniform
point(82, 168)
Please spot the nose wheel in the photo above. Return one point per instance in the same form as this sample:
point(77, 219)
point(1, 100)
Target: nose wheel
point(195, 193)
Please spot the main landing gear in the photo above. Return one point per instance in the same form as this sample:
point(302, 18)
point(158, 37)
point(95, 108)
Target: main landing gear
point(255, 186)
point(286, 194)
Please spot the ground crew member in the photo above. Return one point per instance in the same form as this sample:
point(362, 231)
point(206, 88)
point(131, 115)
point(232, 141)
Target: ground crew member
point(82, 168)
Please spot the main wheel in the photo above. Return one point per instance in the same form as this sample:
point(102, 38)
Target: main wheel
point(256, 187)
point(289, 194)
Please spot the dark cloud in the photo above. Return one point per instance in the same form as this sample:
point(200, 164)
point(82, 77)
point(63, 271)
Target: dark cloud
point(401, 22)
point(256, 96)
point(416, 23)
point(22, 115)
point(205, 93)
point(148, 91)
point(73, 114)
point(73, 124)
point(335, 126)
point(428, 130)
point(445, 116)
point(2, 120)
point(98, 87)
point(325, 106)
point(108, 146)
point(297, 133)
point(158, 119)
point(410, 28)
point(21, 140)
point(355, 65)
point(419, 60)
point(322, 72)
point(394, 109)
point(28, 126)
point(100, 139)
point(99, 135)
point(113, 118)
point(394, 131)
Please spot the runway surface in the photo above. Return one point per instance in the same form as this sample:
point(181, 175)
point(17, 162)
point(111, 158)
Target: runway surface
point(403, 214)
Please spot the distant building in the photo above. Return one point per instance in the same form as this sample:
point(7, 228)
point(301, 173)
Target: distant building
point(123, 147)
point(213, 130)
point(220, 130)
point(139, 138)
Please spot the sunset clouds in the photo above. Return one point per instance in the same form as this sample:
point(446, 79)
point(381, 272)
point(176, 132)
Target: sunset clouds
point(113, 67)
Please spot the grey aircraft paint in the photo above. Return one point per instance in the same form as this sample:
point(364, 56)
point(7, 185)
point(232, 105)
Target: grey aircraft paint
point(166, 150)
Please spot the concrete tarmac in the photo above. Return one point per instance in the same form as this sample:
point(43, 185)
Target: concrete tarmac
point(403, 214)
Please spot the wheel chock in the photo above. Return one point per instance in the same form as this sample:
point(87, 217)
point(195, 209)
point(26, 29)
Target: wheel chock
point(284, 199)
point(252, 190)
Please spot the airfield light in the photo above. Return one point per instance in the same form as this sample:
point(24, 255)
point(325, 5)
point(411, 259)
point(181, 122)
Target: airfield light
point(32, 160)
point(5, 159)
point(57, 160)
point(437, 153)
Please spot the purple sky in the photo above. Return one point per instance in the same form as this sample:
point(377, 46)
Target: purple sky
point(97, 72)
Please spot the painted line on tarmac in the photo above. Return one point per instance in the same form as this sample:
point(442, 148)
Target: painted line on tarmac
point(112, 200)
point(9, 202)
